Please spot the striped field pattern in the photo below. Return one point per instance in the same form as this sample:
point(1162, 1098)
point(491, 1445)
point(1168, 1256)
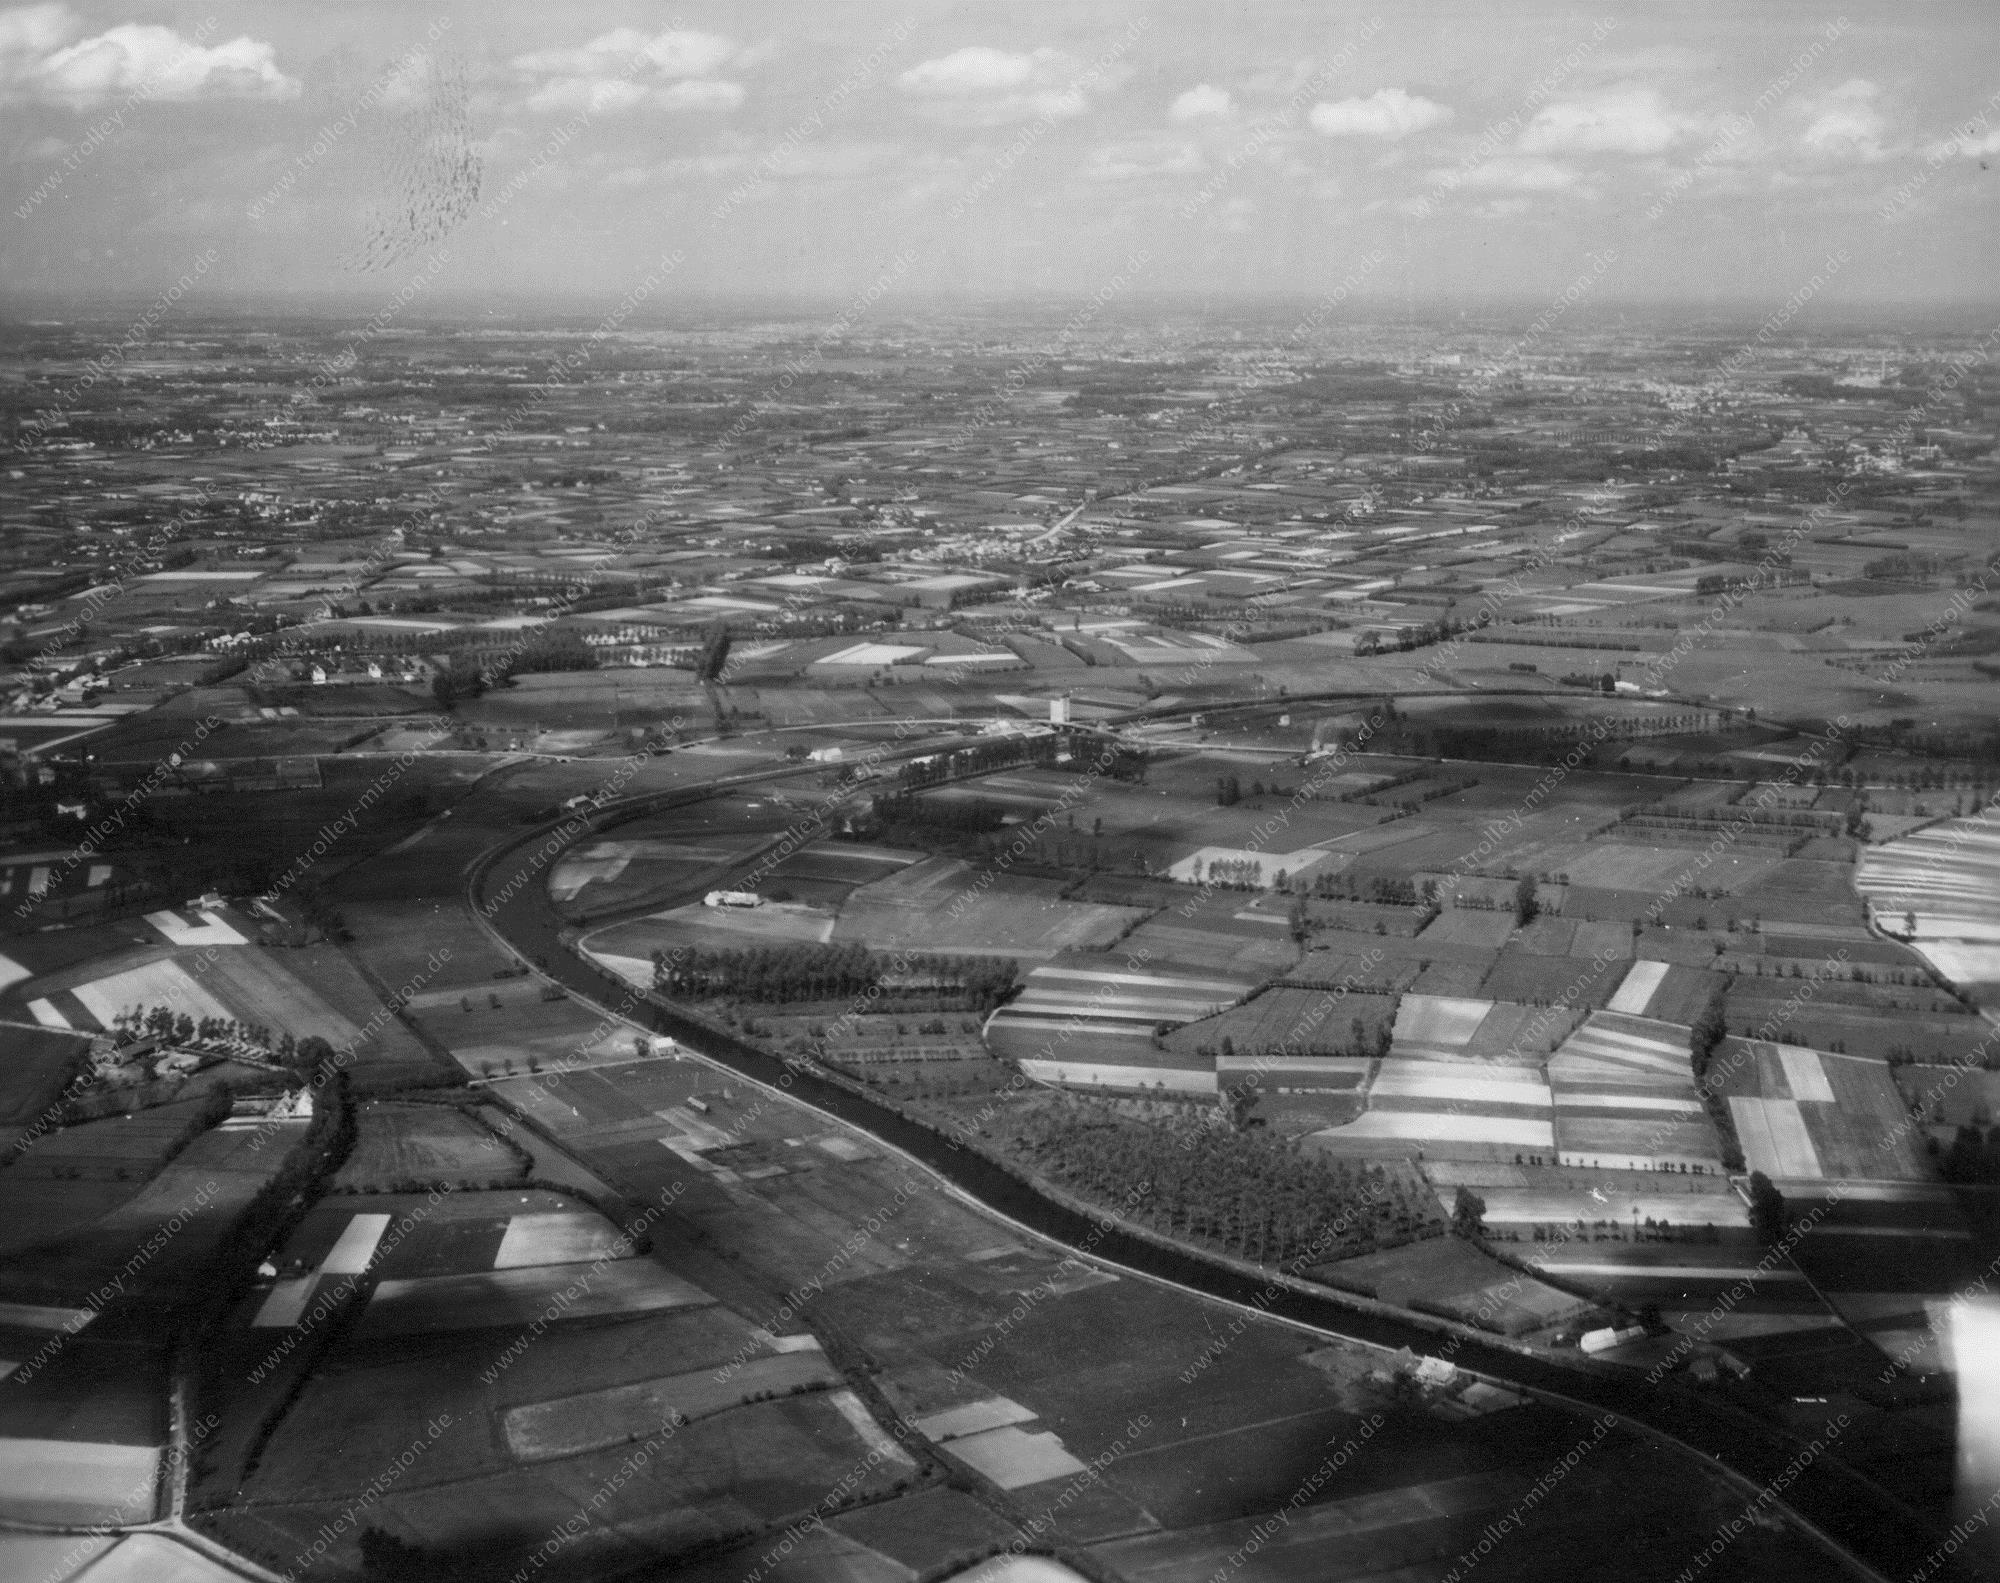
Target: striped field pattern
point(1625, 1096)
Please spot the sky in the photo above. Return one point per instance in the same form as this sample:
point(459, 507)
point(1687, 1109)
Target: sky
point(864, 153)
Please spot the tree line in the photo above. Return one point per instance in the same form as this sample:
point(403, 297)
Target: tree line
point(781, 974)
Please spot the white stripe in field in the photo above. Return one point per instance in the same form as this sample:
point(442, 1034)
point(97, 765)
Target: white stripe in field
point(356, 1245)
point(36, 1316)
point(1421, 1127)
point(1946, 1233)
point(1635, 991)
point(1125, 1030)
point(1085, 1074)
point(46, 1014)
point(1638, 1059)
point(285, 1304)
point(633, 969)
point(1658, 1029)
point(1391, 1084)
point(1635, 1044)
point(178, 931)
point(1671, 1272)
point(78, 1482)
point(973, 1418)
point(1961, 962)
point(1805, 1076)
point(1231, 987)
point(872, 1434)
point(1440, 1019)
point(784, 1343)
point(1574, 1069)
point(162, 983)
point(1887, 1193)
point(11, 972)
point(1053, 1001)
point(1774, 1137)
point(1571, 1099)
point(1417, 1050)
point(559, 1237)
point(1013, 1458)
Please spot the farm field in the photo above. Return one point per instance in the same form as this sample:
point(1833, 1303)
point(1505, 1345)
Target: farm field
point(1625, 1096)
point(1087, 1020)
point(1807, 1114)
point(1295, 1022)
point(942, 905)
point(427, 1143)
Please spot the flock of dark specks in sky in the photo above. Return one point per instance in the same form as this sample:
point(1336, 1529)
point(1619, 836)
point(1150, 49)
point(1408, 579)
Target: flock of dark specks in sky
point(427, 170)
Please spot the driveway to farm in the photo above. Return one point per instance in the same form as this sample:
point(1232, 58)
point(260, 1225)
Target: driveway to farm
point(1855, 1520)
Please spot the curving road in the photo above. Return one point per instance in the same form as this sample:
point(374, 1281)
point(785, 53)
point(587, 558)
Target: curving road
point(1871, 1533)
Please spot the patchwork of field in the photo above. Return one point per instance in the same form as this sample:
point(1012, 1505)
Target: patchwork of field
point(1808, 1115)
point(1625, 1097)
point(1288, 1021)
point(1453, 1274)
point(488, 1253)
point(593, 1420)
point(508, 1298)
point(942, 905)
point(1940, 888)
point(1087, 1020)
point(1436, 1025)
point(1650, 870)
point(1477, 927)
point(1228, 931)
point(1429, 1092)
point(95, 1004)
point(245, 983)
point(423, 1143)
point(715, 928)
point(685, 849)
point(1947, 875)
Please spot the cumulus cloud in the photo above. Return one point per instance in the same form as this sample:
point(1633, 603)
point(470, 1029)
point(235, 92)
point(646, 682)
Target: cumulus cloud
point(1510, 173)
point(983, 86)
point(42, 59)
point(1140, 158)
point(1967, 143)
point(1389, 113)
point(1622, 120)
point(1846, 124)
point(1201, 102)
point(626, 69)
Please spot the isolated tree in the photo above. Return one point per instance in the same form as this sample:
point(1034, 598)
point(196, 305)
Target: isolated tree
point(1767, 1209)
point(312, 1050)
point(714, 654)
point(1468, 1213)
point(1709, 1030)
point(460, 679)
